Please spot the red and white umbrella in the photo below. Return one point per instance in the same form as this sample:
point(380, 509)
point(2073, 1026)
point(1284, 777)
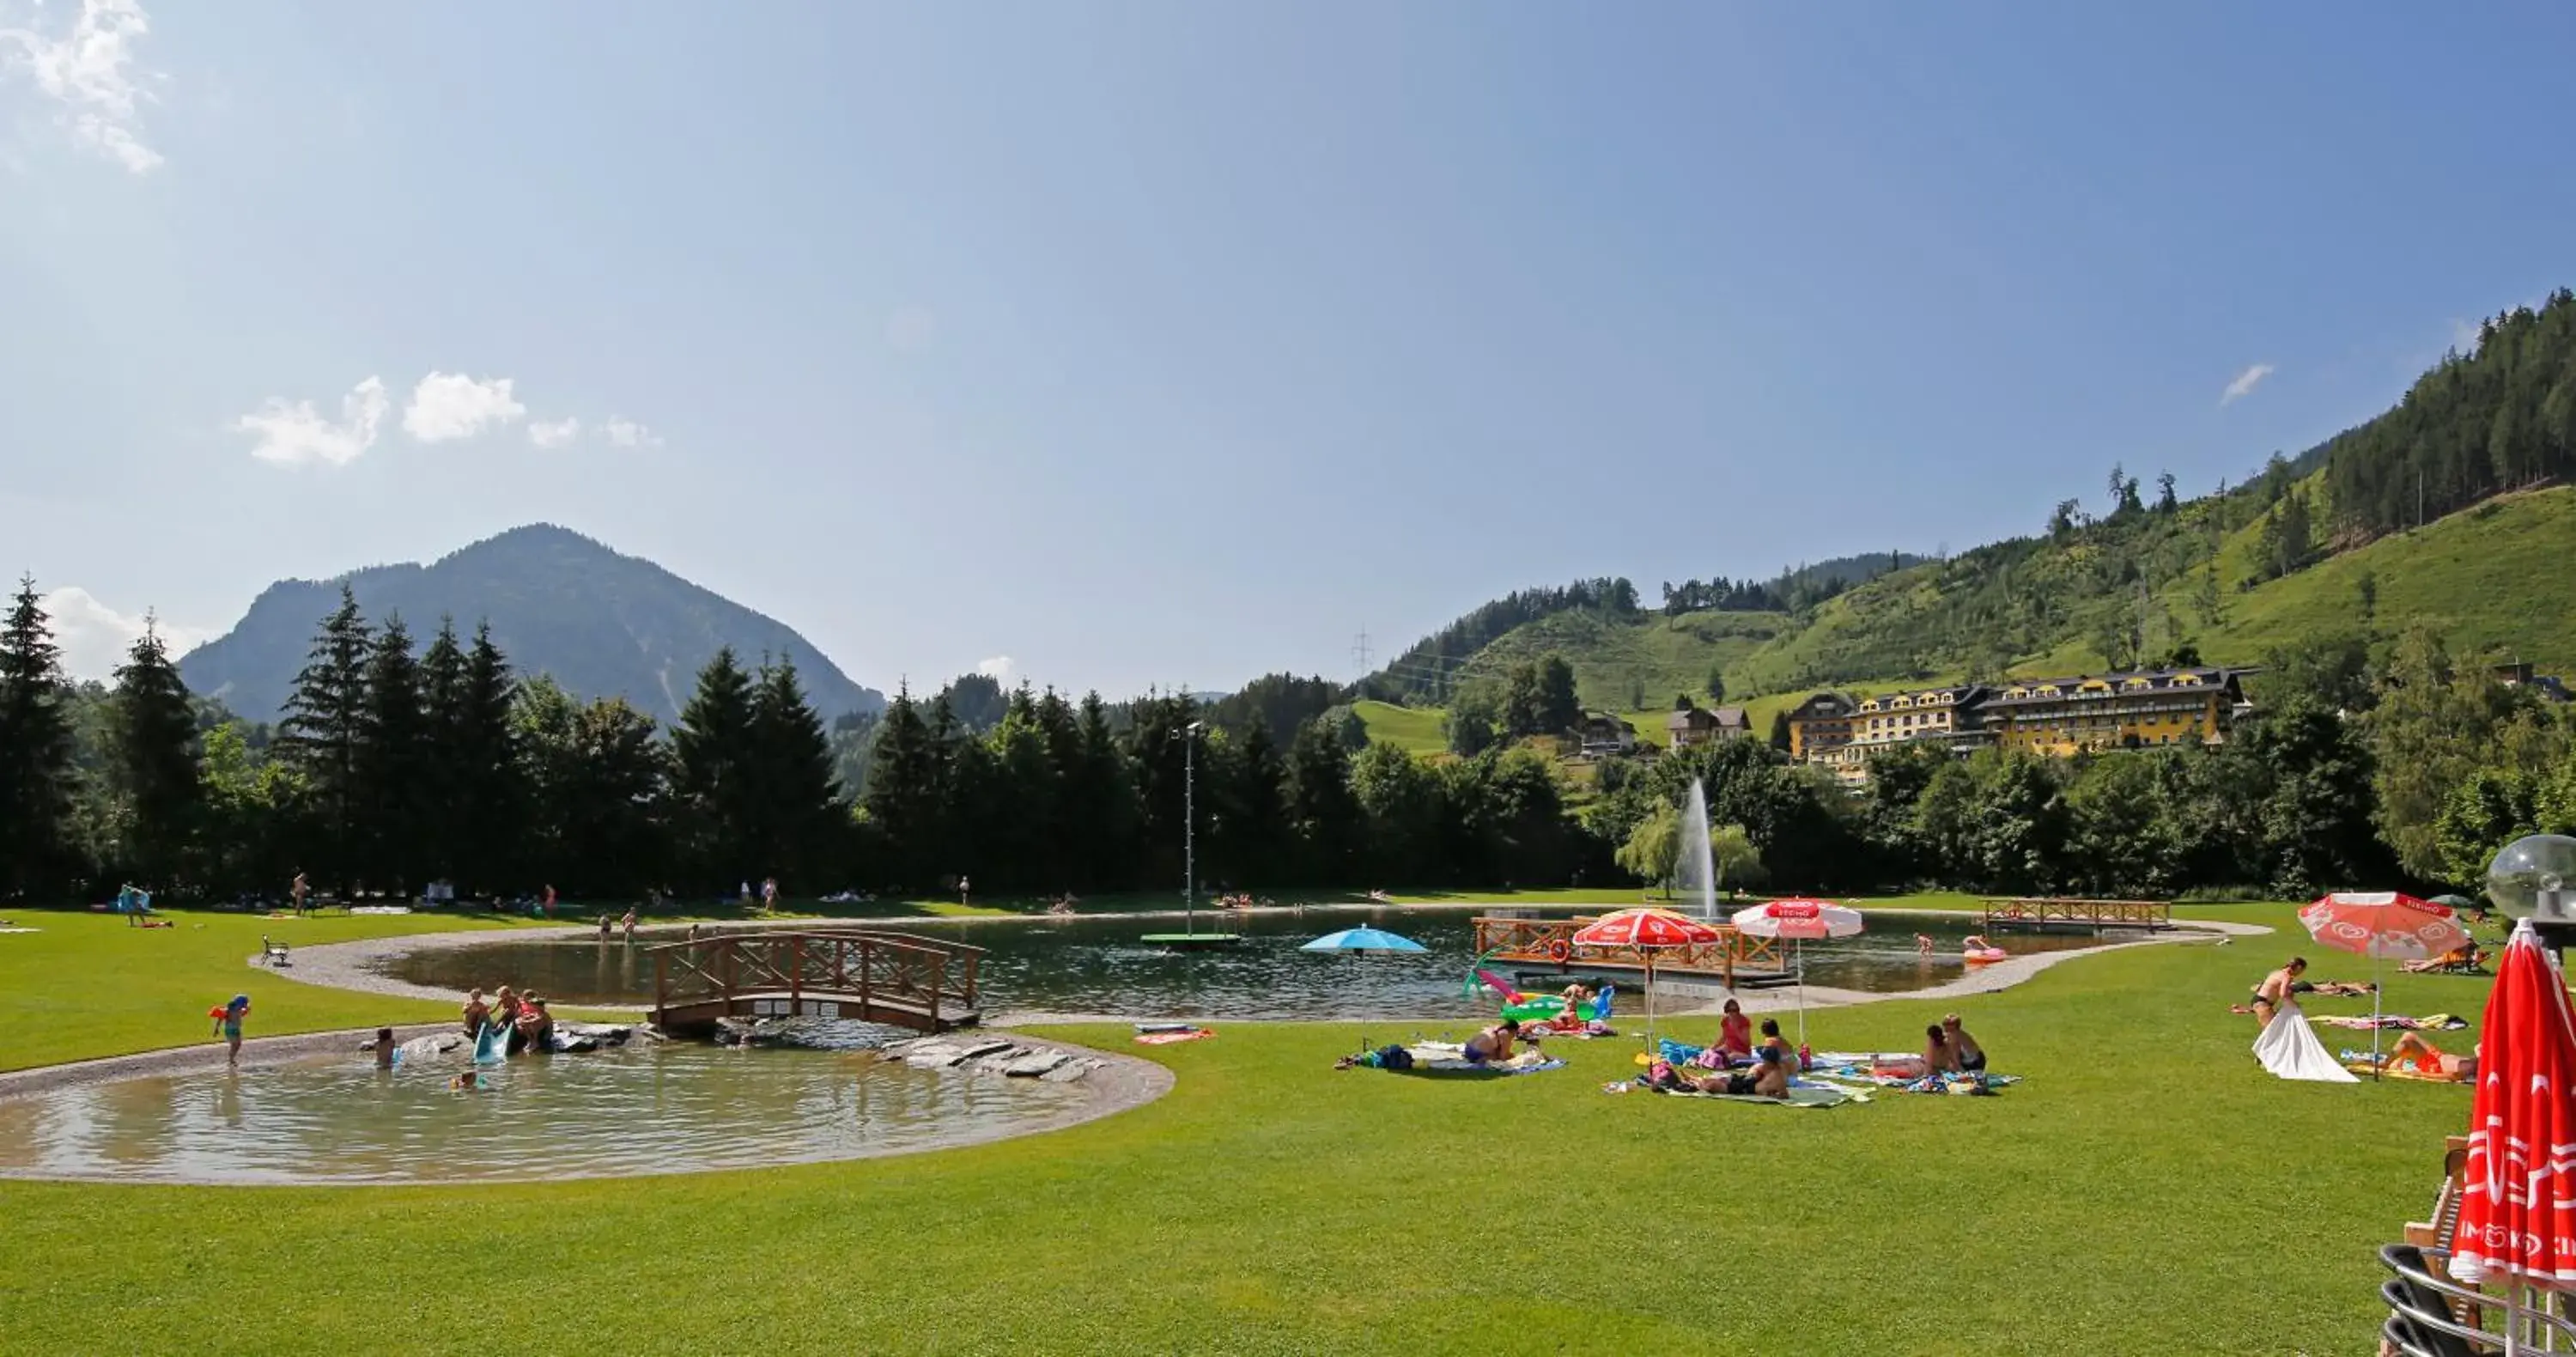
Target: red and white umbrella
point(1798, 920)
point(2381, 925)
point(2518, 1213)
point(1648, 931)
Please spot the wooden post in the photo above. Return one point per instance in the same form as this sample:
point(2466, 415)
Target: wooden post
point(661, 1002)
point(796, 973)
point(732, 954)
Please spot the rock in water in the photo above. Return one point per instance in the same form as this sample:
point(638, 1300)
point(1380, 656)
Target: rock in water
point(1069, 1071)
point(1035, 1063)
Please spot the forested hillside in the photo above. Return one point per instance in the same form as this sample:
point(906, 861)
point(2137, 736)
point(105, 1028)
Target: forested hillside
point(600, 623)
point(2446, 510)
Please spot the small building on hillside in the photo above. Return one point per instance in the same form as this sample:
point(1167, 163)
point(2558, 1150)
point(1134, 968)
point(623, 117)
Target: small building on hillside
point(1703, 725)
point(1600, 734)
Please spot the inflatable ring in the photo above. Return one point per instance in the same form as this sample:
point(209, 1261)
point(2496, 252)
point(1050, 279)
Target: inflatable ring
point(1559, 951)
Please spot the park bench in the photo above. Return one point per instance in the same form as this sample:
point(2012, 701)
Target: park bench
point(271, 953)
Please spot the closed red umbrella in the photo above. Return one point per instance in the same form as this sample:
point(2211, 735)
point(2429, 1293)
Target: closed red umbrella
point(1647, 930)
point(2518, 1213)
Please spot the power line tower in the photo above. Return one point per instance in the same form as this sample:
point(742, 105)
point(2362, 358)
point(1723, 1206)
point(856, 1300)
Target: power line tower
point(1360, 652)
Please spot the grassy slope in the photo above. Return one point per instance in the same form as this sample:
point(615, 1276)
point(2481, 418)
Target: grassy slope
point(2480, 576)
point(1614, 660)
point(1415, 728)
point(2118, 1202)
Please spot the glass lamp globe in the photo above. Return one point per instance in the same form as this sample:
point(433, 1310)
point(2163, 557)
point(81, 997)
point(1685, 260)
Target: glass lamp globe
point(2526, 868)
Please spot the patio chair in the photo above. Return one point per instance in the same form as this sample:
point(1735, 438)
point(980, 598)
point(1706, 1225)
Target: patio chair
point(2436, 1233)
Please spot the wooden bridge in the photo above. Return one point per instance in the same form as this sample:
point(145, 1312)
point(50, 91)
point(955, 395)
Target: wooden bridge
point(2060, 915)
point(922, 983)
point(1735, 958)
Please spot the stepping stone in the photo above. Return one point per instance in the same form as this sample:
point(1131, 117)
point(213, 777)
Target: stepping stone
point(1034, 1064)
point(1069, 1071)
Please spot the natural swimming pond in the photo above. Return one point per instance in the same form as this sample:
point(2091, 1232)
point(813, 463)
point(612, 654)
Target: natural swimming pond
point(1099, 966)
point(664, 1108)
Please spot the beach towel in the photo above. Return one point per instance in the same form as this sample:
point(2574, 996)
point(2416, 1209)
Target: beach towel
point(1167, 1038)
point(2430, 1022)
point(1799, 1096)
point(2359, 1063)
point(2290, 1050)
point(1443, 1057)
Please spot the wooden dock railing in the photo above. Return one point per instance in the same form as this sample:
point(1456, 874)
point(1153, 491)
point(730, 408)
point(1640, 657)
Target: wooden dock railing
point(1550, 942)
point(926, 983)
point(2034, 912)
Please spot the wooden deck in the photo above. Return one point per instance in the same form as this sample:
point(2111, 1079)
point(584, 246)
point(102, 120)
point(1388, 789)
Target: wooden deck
point(926, 984)
point(1738, 960)
point(2052, 915)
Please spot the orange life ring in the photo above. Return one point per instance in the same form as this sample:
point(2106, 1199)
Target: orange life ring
point(1558, 950)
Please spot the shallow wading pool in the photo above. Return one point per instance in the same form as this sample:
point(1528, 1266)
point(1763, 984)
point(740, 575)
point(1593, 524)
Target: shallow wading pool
point(671, 1107)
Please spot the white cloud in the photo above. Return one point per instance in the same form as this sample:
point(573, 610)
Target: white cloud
point(554, 435)
point(85, 71)
point(293, 434)
point(998, 668)
point(2245, 383)
point(95, 637)
point(626, 433)
point(451, 405)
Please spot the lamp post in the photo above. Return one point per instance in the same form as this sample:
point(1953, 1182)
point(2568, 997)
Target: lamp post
point(1190, 825)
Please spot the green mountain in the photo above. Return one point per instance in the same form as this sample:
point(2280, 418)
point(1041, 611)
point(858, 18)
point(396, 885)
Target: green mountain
point(2447, 511)
point(602, 624)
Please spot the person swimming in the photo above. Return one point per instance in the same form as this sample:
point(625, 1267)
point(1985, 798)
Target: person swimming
point(385, 1048)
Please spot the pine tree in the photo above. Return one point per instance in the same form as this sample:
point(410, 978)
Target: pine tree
point(324, 730)
point(35, 747)
point(903, 795)
point(393, 762)
point(712, 774)
point(1103, 815)
point(795, 805)
point(1322, 807)
point(442, 833)
point(489, 795)
point(155, 759)
point(1780, 731)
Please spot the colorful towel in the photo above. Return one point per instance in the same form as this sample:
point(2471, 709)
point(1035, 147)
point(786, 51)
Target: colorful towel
point(1443, 1057)
point(2430, 1022)
point(1810, 1096)
point(1167, 1038)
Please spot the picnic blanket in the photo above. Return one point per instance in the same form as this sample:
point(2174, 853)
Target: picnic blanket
point(1446, 1057)
point(1800, 1095)
point(2430, 1022)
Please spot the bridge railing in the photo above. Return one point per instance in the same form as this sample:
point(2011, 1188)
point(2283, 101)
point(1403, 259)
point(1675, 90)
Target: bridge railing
point(2042, 912)
point(1537, 941)
point(935, 977)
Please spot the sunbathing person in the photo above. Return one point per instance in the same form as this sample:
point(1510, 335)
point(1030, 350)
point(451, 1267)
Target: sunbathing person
point(1734, 1032)
point(2432, 1061)
point(1494, 1043)
point(2346, 989)
point(2464, 956)
point(1939, 1057)
point(1773, 1041)
point(1769, 1078)
point(1970, 1056)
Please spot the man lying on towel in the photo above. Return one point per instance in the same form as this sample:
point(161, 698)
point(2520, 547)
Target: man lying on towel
point(1768, 1078)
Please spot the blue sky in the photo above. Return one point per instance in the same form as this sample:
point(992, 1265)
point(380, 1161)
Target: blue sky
point(1130, 344)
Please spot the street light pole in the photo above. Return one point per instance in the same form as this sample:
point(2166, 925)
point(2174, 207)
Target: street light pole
point(1190, 826)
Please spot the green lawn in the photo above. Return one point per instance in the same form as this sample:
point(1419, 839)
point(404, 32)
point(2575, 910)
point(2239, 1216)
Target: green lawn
point(2148, 1190)
point(1414, 728)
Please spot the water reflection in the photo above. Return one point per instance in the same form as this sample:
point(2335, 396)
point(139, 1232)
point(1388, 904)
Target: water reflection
point(1098, 966)
point(644, 1110)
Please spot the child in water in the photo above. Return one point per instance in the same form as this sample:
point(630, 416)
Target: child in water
point(466, 1082)
point(228, 1025)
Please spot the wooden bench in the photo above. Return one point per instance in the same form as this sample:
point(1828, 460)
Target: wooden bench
point(271, 953)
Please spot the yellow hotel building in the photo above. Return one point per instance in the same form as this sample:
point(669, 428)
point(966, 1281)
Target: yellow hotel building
point(2061, 717)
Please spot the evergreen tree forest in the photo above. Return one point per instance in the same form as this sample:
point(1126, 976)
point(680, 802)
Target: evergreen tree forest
point(401, 763)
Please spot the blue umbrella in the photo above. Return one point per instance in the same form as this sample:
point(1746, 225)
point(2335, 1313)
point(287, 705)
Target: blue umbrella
point(1363, 940)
